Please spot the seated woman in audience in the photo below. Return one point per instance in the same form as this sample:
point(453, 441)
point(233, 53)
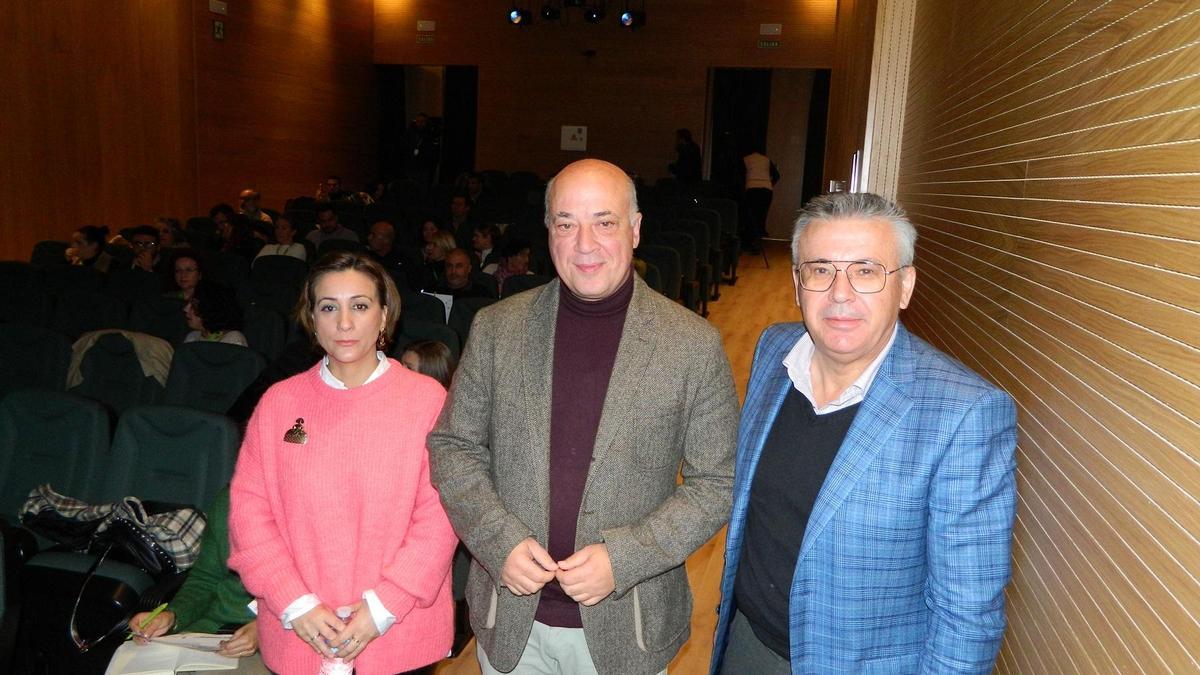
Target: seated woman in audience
point(432, 358)
point(433, 264)
point(285, 241)
point(87, 248)
point(429, 228)
point(189, 272)
point(211, 600)
point(214, 316)
point(514, 260)
point(332, 508)
point(170, 232)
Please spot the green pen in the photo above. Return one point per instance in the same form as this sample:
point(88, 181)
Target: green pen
point(146, 622)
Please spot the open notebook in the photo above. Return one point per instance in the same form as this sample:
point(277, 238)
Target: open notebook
point(171, 653)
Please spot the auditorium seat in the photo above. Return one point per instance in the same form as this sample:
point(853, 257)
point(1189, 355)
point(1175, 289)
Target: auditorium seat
point(698, 231)
point(416, 331)
point(48, 253)
point(113, 375)
point(666, 260)
point(731, 245)
point(26, 297)
point(50, 437)
point(685, 247)
point(524, 282)
point(211, 375)
point(265, 330)
point(160, 316)
point(422, 307)
point(462, 313)
point(81, 311)
point(712, 219)
point(33, 358)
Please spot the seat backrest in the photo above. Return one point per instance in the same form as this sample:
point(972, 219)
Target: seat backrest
point(666, 259)
point(698, 230)
point(80, 311)
point(281, 270)
point(50, 437)
point(49, 252)
point(160, 316)
point(462, 313)
point(685, 246)
point(711, 218)
point(132, 284)
point(524, 282)
point(266, 331)
point(415, 331)
point(227, 268)
point(113, 375)
point(61, 278)
point(653, 278)
point(211, 375)
point(728, 209)
point(25, 296)
point(33, 357)
point(422, 307)
point(337, 245)
point(171, 454)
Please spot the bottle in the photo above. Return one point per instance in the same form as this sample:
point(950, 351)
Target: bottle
point(338, 666)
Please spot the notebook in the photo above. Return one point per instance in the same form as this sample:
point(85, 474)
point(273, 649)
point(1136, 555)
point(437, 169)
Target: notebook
point(171, 653)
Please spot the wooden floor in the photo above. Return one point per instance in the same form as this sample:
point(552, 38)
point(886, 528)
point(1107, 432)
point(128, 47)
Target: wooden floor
point(762, 296)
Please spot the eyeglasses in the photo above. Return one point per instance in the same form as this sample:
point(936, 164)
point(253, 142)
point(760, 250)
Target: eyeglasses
point(865, 277)
point(145, 244)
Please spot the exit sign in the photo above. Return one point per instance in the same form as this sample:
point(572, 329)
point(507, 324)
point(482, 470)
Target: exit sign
point(768, 44)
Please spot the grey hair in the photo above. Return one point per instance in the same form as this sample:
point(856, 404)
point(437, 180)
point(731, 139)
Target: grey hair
point(548, 218)
point(863, 205)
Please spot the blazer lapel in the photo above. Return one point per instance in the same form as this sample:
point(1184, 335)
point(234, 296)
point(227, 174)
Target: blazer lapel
point(880, 414)
point(539, 374)
point(633, 354)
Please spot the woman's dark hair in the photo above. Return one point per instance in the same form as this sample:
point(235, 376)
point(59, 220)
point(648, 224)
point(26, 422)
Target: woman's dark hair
point(95, 234)
point(342, 261)
point(217, 307)
point(436, 360)
point(513, 246)
point(222, 208)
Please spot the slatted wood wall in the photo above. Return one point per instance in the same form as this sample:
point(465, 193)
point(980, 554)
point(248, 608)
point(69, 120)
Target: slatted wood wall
point(1051, 159)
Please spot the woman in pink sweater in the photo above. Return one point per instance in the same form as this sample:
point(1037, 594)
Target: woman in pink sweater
point(331, 500)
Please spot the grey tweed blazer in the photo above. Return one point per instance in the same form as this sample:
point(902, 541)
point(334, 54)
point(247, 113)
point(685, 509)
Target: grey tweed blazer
point(671, 399)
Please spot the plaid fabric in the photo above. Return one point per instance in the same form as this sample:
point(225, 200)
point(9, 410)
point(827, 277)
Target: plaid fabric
point(178, 531)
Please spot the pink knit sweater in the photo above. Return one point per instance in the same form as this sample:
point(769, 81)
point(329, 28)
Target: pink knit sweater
point(350, 510)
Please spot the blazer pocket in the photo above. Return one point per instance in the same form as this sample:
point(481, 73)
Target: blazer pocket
point(905, 663)
point(483, 598)
point(662, 610)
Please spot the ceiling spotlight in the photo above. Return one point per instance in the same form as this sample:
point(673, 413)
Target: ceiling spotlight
point(551, 13)
point(594, 14)
point(519, 17)
point(631, 19)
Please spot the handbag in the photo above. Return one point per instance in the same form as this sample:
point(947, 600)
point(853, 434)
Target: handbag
point(161, 539)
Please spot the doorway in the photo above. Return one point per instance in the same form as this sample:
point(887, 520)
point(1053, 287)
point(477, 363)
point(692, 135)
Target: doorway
point(442, 146)
point(781, 112)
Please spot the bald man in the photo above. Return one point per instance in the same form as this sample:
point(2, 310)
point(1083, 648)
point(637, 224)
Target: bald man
point(573, 409)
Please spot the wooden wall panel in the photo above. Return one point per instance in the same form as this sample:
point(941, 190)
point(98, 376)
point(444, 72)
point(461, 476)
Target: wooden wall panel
point(287, 98)
point(632, 92)
point(849, 87)
point(98, 126)
point(1049, 162)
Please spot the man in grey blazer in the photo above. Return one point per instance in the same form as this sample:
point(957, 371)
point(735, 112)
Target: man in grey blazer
point(558, 451)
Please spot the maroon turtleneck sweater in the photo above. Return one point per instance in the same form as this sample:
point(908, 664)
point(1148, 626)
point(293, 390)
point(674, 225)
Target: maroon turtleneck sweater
point(586, 337)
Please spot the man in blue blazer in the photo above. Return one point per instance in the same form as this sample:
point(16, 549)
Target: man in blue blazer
point(874, 496)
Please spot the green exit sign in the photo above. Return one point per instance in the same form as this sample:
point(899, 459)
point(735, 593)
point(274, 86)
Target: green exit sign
point(768, 44)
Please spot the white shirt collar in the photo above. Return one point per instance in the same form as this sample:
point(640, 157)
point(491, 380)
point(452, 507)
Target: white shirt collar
point(330, 379)
point(799, 361)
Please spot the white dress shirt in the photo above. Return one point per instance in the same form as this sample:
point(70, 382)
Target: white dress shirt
point(799, 363)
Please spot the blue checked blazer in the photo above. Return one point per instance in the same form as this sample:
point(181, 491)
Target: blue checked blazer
point(906, 553)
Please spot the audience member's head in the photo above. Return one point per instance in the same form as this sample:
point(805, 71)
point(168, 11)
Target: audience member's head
point(381, 237)
point(285, 232)
point(143, 239)
point(213, 309)
point(188, 272)
point(86, 243)
point(460, 208)
point(683, 136)
point(515, 255)
point(333, 184)
point(429, 228)
point(327, 219)
point(249, 199)
point(442, 244)
point(474, 185)
point(170, 231)
point(431, 358)
point(333, 276)
point(458, 269)
point(484, 237)
point(222, 215)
